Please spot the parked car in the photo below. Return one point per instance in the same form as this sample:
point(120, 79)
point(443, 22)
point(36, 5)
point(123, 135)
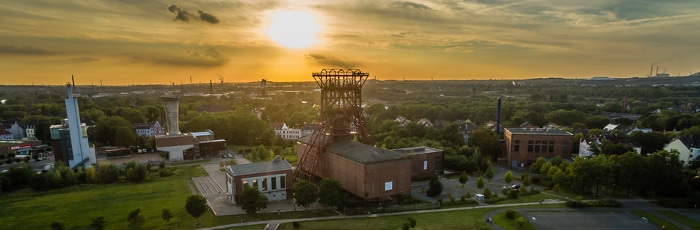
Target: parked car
point(48, 167)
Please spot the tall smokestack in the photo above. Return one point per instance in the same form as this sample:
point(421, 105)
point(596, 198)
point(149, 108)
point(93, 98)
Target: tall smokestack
point(171, 114)
point(651, 70)
point(498, 119)
point(657, 70)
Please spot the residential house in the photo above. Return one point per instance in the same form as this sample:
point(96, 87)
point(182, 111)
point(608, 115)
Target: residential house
point(149, 129)
point(17, 131)
point(282, 130)
point(688, 148)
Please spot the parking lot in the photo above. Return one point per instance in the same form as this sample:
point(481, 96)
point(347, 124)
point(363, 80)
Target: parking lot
point(579, 220)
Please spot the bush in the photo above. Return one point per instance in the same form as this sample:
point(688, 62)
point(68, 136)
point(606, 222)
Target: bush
point(510, 214)
point(405, 226)
point(487, 193)
point(296, 225)
point(513, 194)
point(575, 204)
point(412, 221)
point(108, 173)
point(535, 180)
point(494, 200)
point(606, 203)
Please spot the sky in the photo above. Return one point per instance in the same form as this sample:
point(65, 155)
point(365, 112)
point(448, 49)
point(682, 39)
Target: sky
point(132, 42)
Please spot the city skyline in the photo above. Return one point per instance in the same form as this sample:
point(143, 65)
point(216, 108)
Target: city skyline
point(161, 42)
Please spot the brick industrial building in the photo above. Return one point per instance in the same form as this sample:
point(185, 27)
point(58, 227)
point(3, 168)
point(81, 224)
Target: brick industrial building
point(525, 145)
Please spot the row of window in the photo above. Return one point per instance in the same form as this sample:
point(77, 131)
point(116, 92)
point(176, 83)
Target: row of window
point(266, 183)
point(540, 146)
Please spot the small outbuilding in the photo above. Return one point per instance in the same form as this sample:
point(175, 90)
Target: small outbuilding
point(274, 179)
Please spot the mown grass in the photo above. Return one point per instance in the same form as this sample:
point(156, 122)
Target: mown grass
point(76, 206)
point(464, 219)
point(656, 220)
point(681, 219)
point(504, 222)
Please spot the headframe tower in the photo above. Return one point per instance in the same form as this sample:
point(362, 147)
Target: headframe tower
point(340, 116)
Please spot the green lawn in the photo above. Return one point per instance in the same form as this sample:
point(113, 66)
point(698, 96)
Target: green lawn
point(501, 220)
point(77, 205)
point(654, 219)
point(681, 219)
point(466, 219)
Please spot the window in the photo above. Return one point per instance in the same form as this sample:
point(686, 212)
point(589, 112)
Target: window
point(529, 146)
point(425, 165)
point(283, 182)
point(245, 182)
point(274, 183)
point(565, 148)
point(551, 146)
point(516, 145)
point(388, 186)
point(537, 146)
point(264, 184)
point(255, 183)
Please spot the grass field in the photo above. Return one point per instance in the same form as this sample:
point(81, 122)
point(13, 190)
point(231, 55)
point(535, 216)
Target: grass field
point(76, 206)
point(681, 219)
point(654, 219)
point(506, 223)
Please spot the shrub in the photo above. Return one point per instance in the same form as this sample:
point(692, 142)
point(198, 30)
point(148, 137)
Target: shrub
point(296, 225)
point(463, 199)
point(452, 198)
point(575, 204)
point(510, 214)
point(487, 193)
point(412, 221)
point(606, 203)
point(494, 200)
point(521, 221)
point(513, 194)
point(535, 180)
point(405, 226)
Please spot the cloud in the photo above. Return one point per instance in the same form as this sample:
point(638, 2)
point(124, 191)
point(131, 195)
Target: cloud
point(410, 5)
point(186, 16)
point(83, 59)
point(24, 50)
point(209, 58)
point(331, 61)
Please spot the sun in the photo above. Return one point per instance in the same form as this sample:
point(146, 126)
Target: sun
point(293, 29)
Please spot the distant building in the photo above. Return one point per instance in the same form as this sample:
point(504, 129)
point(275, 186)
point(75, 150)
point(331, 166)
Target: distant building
point(149, 129)
point(425, 122)
point(307, 129)
point(69, 139)
point(5, 135)
point(274, 179)
point(282, 130)
point(525, 145)
point(205, 146)
point(688, 148)
point(17, 131)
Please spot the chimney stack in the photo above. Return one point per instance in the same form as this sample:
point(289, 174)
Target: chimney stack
point(498, 119)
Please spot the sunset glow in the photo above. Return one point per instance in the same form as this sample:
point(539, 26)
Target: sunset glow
point(171, 42)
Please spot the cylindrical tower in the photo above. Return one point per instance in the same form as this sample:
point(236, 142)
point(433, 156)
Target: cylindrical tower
point(171, 114)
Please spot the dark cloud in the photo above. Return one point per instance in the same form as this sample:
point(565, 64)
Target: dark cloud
point(207, 17)
point(410, 5)
point(186, 16)
point(25, 50)
point(330, 61)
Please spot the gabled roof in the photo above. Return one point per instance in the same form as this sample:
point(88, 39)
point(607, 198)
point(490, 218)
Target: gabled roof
point(275, 165)
point(362, 153)
point(690, 142)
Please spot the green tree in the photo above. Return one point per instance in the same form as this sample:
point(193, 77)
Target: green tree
point(508, 177)
point(167, 215)
point(252, 200)
point(196, 206)
point(434, 186)
point(135, 171)
point(98, 223)
point(305, 193)
point(108, 173)
point(331, 193)
point(489, 173)
point(106, 128)
point(463, 178)
point(487, 141)
point(480, 182)
point(125, 136)
point(135, 219)
point(535, 167)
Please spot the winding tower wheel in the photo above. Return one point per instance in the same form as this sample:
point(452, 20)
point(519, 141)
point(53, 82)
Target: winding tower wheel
point(341, 116)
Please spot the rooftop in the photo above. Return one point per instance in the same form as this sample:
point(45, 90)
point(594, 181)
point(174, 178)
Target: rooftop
point(417, 150)
point(274, 165)
point(362, 153)
point(537, 131)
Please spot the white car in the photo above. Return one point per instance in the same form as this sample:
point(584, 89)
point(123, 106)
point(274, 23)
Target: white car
point(48, 166)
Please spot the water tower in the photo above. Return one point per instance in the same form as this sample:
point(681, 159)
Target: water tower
point(174, 142)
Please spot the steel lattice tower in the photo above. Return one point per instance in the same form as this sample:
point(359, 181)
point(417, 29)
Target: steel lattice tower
point(340, 118)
